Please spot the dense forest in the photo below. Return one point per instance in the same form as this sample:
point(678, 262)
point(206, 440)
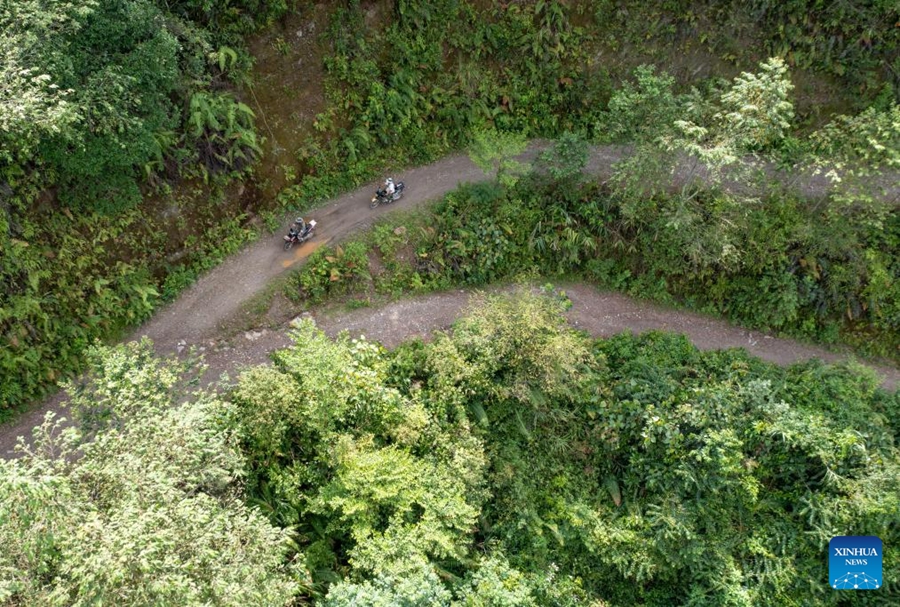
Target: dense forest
point(510, 460)
point(130, 154)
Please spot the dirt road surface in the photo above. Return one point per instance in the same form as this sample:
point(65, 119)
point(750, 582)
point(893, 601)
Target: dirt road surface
point(600, 313)
point(197, 317)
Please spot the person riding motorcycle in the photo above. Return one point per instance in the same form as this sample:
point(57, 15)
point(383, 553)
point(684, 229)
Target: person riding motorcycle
point(387, 193)
point(298, 229)
point(299, 232)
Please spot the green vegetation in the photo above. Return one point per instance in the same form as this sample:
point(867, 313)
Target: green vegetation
point(101, 99)
point(121, 123)
point(854, 43)
point(437, 71)
point(99, 92)
point(81, 277)
point(140, 502)
point(825, 271)
point(511, 461)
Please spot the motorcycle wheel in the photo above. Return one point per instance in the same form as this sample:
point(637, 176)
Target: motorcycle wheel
point(374, 204)
point(288, 244)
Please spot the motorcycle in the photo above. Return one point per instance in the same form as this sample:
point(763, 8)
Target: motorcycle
point(381, 195)
point(295, 236)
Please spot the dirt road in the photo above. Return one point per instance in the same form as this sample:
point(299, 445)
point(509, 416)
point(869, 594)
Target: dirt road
point(600, 313)
point(197, 316)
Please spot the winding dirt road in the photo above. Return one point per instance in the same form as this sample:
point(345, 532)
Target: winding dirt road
point(600, 313)
point(198, 316)
point(214, 299)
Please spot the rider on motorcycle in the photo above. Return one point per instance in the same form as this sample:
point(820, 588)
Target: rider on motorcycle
point(299, 229)
point(389, 188)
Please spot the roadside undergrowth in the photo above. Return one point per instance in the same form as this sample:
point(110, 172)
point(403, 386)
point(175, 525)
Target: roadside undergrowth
point(483, 234)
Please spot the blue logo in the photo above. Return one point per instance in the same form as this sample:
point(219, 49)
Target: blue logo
point(854, 562)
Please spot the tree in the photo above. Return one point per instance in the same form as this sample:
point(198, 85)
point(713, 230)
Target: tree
point(642, 114)
point(642, 111)
point(399, 509)
point(711, 135)
point(567, 158)
point(509, 348)
point(757, 110)
point(860, 156)
point(752, 115)
point(493, 583)
point(419, 588)
point(707, 144)
point(102, 93)
point(32, 103)
point(494, 151)
point(496, 584)
point(336, 451)
point(140, 503)
point(31, 107)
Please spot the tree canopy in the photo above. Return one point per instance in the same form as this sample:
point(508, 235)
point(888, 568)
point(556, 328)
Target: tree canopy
point(139, 502)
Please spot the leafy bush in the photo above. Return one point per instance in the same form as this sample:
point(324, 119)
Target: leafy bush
point(223, 130)
point(331, 271)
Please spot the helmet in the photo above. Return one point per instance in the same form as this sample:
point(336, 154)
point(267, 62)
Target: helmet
point(390, 180)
